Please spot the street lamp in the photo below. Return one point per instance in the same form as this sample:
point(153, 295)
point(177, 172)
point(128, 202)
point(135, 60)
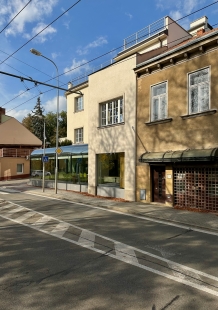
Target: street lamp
point(37, 53)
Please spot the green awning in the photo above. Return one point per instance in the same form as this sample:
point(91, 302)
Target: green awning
point(180, 156)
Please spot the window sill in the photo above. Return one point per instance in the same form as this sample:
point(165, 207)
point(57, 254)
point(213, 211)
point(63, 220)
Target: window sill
point(113, 125)
point(209, 112)
point(160, 121)
point(79, 111)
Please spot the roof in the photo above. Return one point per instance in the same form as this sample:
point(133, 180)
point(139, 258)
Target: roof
point(69, 149)
point(185, 43)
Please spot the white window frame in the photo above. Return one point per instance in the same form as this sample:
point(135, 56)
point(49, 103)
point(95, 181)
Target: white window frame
point(18, 172)
point(112, 111)
point(190, 87)
point(79, 106)
point(159, 97)
point(79, 135)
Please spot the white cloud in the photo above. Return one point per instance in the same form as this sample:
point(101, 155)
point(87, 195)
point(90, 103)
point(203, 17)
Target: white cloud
point(180, 8)
point(34, 12)
point(129, 15)
point(55, 55)
point(77, 67)
point(51, 105)
point(41, 38)
point(98, 42)
point(19, 115)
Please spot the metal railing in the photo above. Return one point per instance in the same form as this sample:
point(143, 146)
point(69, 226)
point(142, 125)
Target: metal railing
point(145, 33)
point(10, 152)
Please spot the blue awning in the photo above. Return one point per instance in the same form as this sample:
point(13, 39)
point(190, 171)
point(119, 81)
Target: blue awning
point(69, 149)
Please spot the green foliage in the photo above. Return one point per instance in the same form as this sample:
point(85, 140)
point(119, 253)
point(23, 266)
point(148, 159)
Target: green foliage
point(65, 142)
point(27, 122)
point(35, 123)
point(37, 120)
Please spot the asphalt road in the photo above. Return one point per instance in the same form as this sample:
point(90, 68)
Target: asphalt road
point(61, 255)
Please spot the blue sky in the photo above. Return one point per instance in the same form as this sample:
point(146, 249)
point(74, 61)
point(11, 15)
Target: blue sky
point(90, 29)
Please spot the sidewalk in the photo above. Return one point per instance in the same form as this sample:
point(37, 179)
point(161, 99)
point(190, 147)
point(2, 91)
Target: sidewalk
point(199, 220)
point(207, 221)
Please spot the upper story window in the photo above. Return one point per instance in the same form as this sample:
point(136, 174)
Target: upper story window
point(112, 112)
point(78, 103)
point(199, 86)
point(79, 135)
point(159, 102)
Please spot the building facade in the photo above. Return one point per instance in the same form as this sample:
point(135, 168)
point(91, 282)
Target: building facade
point(105, 116)
point(177, 123)
point(16, 145)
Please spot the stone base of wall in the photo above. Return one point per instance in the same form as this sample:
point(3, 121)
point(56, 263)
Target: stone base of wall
point(111, 192)
point(61, 185)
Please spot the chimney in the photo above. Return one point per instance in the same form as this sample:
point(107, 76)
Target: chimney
point(200, 31)
point(2, 112)
point(70, 85)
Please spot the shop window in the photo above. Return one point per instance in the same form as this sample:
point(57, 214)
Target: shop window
point(111, 170)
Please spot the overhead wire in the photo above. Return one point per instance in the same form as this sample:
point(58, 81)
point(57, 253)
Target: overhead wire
point(15, 16)
point(109, 53)
point(41, 31)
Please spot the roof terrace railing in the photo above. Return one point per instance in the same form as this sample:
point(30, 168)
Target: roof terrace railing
point(145, 33)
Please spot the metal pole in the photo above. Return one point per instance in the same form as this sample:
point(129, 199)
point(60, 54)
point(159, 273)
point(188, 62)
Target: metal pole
point(37, 53)
point(43, 171)
point(56, 155)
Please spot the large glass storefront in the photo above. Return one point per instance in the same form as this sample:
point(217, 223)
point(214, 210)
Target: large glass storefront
point(72, 164)
point(111, 169)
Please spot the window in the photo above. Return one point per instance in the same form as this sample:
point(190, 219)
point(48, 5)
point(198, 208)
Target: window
point(111, 169)
point(159, 102)
point(199, 91)
point(79, 135)
point(78, 104)
point(112, 112)
point(19, 168)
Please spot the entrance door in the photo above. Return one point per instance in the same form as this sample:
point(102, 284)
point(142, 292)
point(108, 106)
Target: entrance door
point(159, 188)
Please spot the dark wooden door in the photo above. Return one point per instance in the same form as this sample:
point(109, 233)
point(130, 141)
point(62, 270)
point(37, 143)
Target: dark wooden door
point(159, 185)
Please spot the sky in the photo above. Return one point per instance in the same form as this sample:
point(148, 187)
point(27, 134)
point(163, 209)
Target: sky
point(76, 41)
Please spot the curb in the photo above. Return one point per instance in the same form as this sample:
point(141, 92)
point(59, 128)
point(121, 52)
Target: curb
point(118, 209)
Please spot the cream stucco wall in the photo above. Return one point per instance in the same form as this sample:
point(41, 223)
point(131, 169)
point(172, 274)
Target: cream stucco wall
point(115, 81)
point(77, 119)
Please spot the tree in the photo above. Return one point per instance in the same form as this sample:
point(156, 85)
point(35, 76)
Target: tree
point(65, 142)
point(28, 122)
point(62, 124)
point(50, 127)
point(38, 120)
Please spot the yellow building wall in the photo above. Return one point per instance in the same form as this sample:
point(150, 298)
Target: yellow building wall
point(8, 168)
point(180, 134)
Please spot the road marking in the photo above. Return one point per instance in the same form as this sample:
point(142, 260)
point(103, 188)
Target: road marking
point(164, 222)
point(87, 239)
point(13, 211)
point(60, 229)
point(5, 207)
point(39, 223)
point(25, 216)
point(123, 251)
point(3, 193)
